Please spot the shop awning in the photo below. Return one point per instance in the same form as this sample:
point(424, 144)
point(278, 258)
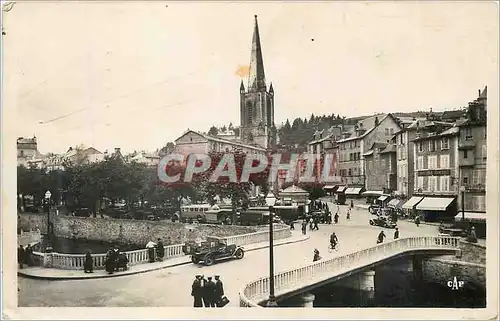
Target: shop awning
point(372, 193)
point(341, 189)
point(353, 191)
point(332, 187)
point(434, 204)
point(382, 198)
point(471, 216)
point(414, 200)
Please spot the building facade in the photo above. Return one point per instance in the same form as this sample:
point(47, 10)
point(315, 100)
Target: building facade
point(380, 167)
point(257, 102)
point(473, 155)
point(354, 144)
point(27, 149)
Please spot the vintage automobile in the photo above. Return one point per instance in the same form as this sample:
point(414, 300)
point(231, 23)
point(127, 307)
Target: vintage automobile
point(382, 221)
point(452, 230)
point(212, 250)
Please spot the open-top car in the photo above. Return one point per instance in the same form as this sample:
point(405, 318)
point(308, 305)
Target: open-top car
point(382, 221)
point(212, 250)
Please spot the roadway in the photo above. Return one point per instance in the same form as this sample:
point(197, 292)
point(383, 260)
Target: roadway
point(171, 287)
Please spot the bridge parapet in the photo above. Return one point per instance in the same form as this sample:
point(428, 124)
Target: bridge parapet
point(294, 280)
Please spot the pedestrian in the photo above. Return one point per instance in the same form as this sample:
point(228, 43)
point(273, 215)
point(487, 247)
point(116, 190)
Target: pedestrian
point(311, 222)
point(28, 254)
point(20, 256)
point(417, 221)
point(151, 251)
point(196, 292)
point(109, 264)
point(304, 227)
point(160, 250)
point(336, 218)
point(116, 255)
point(292, 226)
point(396, 234)
point(352, 204)
point(380, 237)
point(204, 292)
point(348, 216)
point(219, 290)
point(316, 256)
point(472, 235)
point(210, 292)
point(88, 264)
point(315, 227)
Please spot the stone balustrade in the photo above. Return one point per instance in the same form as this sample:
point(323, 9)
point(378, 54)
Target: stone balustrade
point(75, 261)
point(293, 280)
point(30, 237)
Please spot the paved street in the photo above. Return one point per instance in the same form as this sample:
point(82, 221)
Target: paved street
point(172, 286)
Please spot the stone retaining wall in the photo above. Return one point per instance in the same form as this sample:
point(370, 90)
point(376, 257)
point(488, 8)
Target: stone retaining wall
point(126, 231)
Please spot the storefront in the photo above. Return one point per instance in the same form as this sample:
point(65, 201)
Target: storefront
point(437, 208)
point(371, 196)
point(353, 192)
point(410, 205)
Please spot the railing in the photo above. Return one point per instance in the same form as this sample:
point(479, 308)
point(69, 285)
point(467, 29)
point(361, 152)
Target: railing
point(280, 232)
point(295, 279)
point(76, 261)
point(30, 237)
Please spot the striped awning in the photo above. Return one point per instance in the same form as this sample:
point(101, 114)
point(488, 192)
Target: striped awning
point(412, 202)
point(434, 203)
point(471, 216)
point(353, 191)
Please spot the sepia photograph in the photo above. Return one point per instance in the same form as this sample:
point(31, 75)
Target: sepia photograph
point(210, 157)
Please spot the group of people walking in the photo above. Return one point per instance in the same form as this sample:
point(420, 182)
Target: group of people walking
point(381, 236)
point(25, 256)
point(207, 293)
point(156, 251)
point(115, 260)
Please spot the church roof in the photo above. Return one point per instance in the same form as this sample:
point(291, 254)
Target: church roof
point(257, 77)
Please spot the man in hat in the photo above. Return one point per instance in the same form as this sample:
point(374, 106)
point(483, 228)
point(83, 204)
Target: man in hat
point(196, 292)
point(160, 250)
point(396, 234)
point(204, 293)
point(219, 289)
point(210, 292)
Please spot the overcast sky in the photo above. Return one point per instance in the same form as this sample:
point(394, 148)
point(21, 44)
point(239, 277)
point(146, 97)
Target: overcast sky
point(136, 75)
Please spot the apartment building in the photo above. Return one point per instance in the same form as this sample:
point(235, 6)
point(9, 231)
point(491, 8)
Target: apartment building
point(356, 143)
point(380, 167)
point(473, 155)
point(436, 169)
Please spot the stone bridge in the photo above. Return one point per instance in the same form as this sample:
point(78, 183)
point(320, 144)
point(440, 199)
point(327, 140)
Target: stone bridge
point(300, 280)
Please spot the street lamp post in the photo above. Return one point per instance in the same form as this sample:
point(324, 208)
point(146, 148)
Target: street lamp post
point(462, 189)
point(270, 201)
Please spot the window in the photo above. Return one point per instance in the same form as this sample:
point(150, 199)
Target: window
point(444, 161)
point(432, 180)
point(465, 154)
point(468, 133)
point(249, 113)
point(420, 146)
point(445, 143)
point(350, 157)
point(420, 162)
point(391, 131)
point(432, 145)
point(359, 155)
point(484, 151)
point(465, 180)
point(475, 177)
point(479, 203)
point(349, 173)
point(387, 132)
point(420, 182)
point(445, 183)
point(432, 162)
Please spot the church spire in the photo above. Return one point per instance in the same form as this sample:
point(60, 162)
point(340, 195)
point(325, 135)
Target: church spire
point(257, 78)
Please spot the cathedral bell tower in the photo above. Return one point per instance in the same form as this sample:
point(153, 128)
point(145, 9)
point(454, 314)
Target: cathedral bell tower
point(257, 103)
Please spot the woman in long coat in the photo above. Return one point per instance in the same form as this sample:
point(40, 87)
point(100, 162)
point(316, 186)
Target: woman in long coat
point(88, 265)
point(110, 264)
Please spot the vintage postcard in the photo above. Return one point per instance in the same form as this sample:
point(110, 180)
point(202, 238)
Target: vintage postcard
point(250, 160)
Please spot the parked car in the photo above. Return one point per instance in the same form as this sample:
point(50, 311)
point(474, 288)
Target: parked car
point(374, 208)
point(382, 221)
point(213, 250)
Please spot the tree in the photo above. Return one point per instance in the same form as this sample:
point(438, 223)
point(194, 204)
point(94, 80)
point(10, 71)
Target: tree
point(213, 131)
point(167, 149)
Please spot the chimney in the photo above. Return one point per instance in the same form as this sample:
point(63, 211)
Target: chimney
point(479, 92)
point(376, 121)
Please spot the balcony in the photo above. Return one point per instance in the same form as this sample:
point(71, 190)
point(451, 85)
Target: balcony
point(467, 144)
